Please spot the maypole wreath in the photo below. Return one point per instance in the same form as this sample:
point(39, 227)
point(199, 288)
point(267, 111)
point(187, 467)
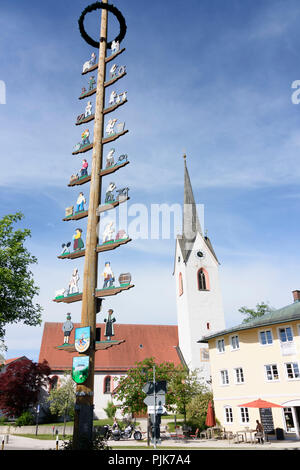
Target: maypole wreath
point(114, 11)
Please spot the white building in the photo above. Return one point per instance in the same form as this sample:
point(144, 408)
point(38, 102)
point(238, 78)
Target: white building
point(198, 292)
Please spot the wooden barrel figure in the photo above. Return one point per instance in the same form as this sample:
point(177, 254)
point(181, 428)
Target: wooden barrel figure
point(125, 279)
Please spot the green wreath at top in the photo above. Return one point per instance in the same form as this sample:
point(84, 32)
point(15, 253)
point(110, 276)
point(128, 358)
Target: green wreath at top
point(114, 11)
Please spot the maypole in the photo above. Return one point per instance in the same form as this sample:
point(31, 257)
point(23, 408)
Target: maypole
point(91, 296)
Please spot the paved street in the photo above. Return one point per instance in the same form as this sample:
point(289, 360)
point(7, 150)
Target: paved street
point(22, 443)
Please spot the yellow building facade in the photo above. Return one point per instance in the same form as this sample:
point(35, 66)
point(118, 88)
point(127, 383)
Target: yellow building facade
point(258, 359)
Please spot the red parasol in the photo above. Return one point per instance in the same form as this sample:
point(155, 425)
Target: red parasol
point(210, 417)
point(260, 404)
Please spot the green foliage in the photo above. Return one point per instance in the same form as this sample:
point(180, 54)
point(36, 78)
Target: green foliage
point(261, 309)
point(62, 399)
point(98, 443)
point(17, 288)
point(26, 419)
point(197, 410)
point(110, 410)
point(181, 386)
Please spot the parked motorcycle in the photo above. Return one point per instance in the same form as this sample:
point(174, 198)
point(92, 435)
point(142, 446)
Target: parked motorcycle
point(128, 432)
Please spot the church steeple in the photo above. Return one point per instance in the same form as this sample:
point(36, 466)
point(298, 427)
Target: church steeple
point(190, 224)
point(198, 292)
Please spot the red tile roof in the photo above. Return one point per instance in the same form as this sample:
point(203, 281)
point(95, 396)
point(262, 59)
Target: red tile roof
point(9, 361)
point(141, 341)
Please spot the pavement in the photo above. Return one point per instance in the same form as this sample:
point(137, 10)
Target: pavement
point(23, 443)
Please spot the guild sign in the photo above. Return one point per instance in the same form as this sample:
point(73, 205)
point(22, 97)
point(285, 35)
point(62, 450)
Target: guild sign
point(82, 339)
point(80, 369)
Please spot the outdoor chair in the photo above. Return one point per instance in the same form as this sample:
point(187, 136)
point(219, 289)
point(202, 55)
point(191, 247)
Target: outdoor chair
point(204, 434)
point(196, 435)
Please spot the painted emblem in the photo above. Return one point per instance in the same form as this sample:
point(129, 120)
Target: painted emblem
point(80, 369)
point(82, 339)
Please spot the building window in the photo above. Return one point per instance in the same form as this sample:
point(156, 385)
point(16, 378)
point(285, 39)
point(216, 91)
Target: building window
point(239, 375)
point(204, 355)
point(292, 370)
point(203, 279)
point(107, 384)
point(228, 414)
point(271, 372)
point(286, 334)
point(265, 337)
point(224, 377)
point(289, 420)
point(53, 382)
point(234, 341)
point(244, 415)
point(180, 285)
point(221, 345)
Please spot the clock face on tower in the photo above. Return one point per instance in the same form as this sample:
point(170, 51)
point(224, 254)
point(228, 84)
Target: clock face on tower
point(200, 254)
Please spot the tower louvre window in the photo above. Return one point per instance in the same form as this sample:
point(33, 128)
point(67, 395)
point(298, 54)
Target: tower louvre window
point(203, 279)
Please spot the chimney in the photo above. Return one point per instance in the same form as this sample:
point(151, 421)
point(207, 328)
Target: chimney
point(296, 294)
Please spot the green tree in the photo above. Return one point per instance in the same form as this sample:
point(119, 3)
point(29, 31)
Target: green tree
point(62, 399)
point(17, 287)
point(260, 310)
point(197, 409)
point(181, 386)
point(184, 386)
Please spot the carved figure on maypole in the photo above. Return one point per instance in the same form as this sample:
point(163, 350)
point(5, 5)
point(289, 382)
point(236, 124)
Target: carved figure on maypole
point(84, 168)
point(67, 329)
point(110, 158)
point(108, 232)
point(110, 127)
point(65, 248)
point(89, 63)
point(116, 98)
point(109, 325)
point(77, 240)
point(116, 71)
point(80, 203)
point(115, 47)
point(85, 136)
point(109, 196)
point(92, 83)
point(108, 275)
point(88, 109)
point(112, 97)
point(73, 283)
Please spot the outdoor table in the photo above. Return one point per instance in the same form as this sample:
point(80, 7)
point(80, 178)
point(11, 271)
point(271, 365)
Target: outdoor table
point(244, 434)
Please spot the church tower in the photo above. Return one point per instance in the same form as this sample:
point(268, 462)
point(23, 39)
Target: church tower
point(198, 293)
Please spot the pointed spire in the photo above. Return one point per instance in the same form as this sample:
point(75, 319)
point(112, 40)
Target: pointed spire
point(191, 224)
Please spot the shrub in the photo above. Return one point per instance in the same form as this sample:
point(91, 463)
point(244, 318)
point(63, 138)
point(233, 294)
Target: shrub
point(110, 410)
point(26, 419)
point(98, 443)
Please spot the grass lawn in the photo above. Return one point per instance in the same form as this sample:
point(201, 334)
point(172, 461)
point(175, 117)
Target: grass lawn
point(45, 437)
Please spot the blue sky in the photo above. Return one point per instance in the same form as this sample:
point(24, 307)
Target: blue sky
point(212, 79)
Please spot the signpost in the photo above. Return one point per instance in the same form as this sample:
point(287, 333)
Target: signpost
point(155, 401)
point(158, 409)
